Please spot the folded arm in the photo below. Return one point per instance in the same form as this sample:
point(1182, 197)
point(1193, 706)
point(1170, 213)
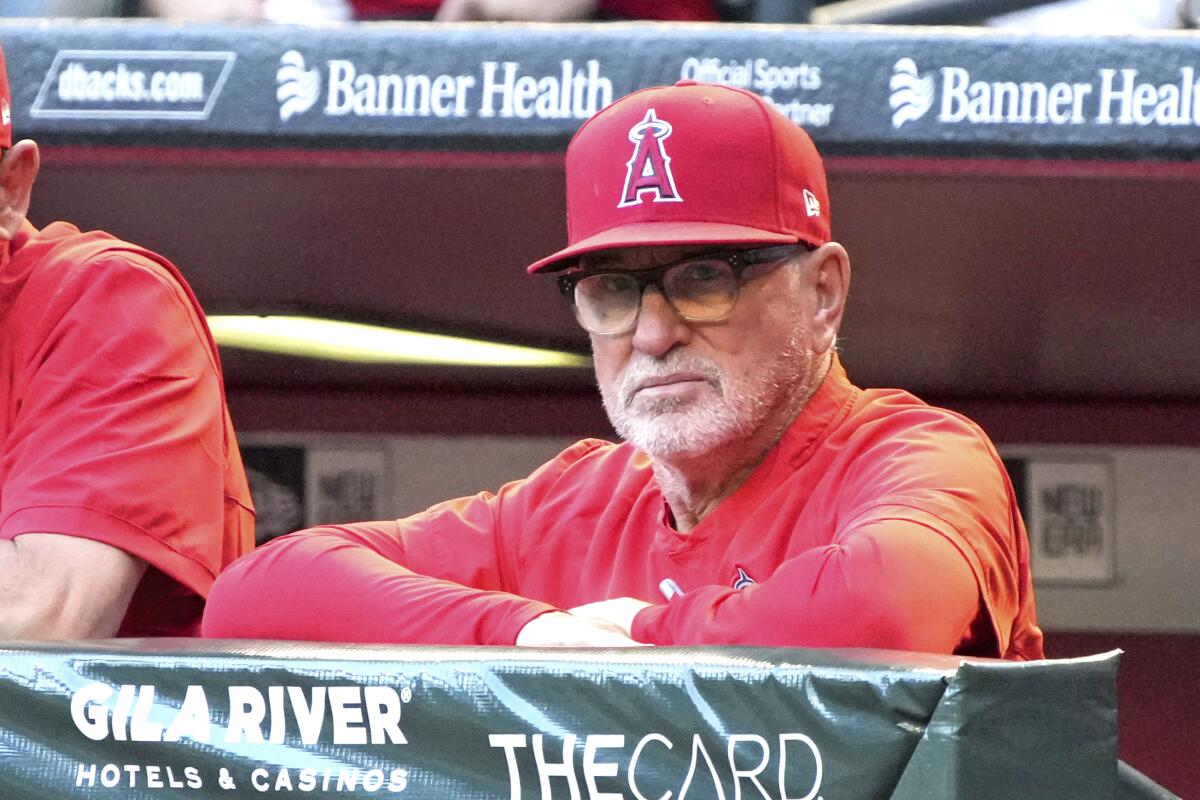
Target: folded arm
point(889, 583)
point(444, 576)
point(439, 577)
point(349, 584)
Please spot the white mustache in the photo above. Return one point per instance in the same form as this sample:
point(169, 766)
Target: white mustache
point(643, 368)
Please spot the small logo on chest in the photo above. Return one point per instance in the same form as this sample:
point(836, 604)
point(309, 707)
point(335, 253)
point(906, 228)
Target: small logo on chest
point(742, 579)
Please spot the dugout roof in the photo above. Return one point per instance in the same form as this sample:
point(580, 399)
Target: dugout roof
point(1020, 210)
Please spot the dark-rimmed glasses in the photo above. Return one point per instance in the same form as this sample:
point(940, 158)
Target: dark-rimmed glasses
point(701, 288)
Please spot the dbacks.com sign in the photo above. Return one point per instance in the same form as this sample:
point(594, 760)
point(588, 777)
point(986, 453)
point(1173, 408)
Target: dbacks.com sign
point(340, 88)
point(132, 84)
point(1115, 96)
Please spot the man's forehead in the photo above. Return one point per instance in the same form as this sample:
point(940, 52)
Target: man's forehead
point(628, 258)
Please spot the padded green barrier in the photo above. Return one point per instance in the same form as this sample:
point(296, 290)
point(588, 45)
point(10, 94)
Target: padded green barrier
point(180, 718)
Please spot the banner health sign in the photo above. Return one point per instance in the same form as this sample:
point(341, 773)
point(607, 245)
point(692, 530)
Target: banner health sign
point(176, 718)
point(858, 91)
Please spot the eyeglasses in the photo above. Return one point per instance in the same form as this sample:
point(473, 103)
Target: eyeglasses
point(700, 288)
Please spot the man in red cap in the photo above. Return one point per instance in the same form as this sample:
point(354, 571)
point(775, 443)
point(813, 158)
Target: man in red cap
point(121, 487)
point(759, 497)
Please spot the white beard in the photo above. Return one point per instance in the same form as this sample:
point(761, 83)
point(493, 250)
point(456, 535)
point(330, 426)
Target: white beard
point(734, 411)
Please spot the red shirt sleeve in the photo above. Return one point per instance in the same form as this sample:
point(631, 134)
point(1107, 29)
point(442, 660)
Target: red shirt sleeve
point(119, 434)
point(925, 557)
point(891, 581)
point(445, 576)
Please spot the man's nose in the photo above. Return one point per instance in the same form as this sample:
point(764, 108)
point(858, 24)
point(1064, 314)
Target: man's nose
point(658, 328)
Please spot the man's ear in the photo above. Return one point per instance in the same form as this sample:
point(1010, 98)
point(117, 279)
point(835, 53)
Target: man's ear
point(831, 278)
point(18, 170)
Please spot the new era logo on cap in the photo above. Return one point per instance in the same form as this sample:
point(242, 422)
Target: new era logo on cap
point(709, 164)
point(812, 206)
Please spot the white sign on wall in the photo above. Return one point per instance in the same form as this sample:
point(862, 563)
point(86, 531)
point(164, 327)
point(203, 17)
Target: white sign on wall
point(1069, 513)
point(348, 484)
point(301, 480)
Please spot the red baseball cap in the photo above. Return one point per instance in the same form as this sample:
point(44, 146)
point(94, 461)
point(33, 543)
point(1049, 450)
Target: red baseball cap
point(691, 164)
point(5, 106)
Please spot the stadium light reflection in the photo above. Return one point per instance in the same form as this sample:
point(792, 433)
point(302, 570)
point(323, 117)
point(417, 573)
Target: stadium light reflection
point(315, 337)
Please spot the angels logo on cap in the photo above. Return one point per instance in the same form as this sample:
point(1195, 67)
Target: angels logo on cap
point(649, 168)
point(750, 176)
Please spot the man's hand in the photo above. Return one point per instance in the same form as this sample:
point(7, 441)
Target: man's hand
point(513, 10)
point(559, 629)
point(618, 612)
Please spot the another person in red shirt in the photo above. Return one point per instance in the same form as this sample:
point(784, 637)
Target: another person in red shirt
point(122, 493)
point(759, 497)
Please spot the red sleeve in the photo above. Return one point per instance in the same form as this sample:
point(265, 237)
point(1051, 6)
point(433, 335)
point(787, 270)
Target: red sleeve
point(119, 437)
point(925, 557)
point(889, 582)
point(444, 576)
